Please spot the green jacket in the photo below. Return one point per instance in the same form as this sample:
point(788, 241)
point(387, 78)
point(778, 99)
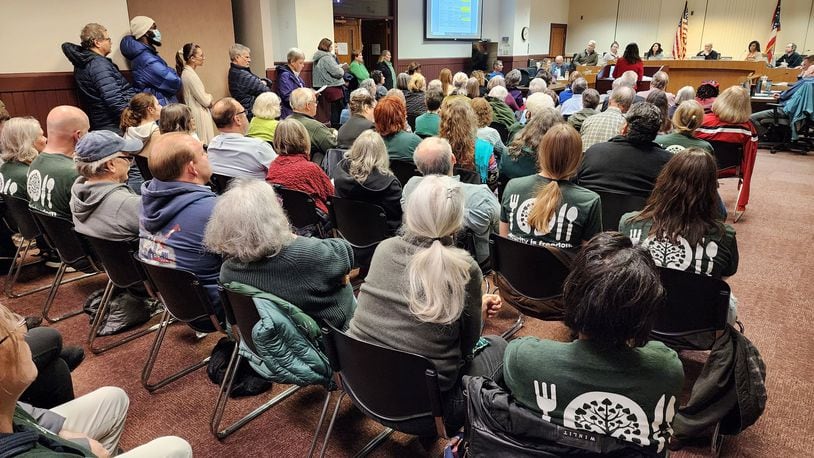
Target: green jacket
point(502, 114)
point(287, 341)
point(322, 138)
point(29, 439)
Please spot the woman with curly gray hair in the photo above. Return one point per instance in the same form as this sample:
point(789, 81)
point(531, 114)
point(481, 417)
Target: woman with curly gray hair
point(250, 230)
point(21, 141)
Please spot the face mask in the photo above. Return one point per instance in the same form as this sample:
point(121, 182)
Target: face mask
point(156, 36)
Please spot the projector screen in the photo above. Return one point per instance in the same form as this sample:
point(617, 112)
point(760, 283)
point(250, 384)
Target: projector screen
point(453, 19)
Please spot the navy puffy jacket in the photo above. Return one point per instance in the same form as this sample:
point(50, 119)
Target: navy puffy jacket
point(245, 86)
point(103, 91)
point(150, 72)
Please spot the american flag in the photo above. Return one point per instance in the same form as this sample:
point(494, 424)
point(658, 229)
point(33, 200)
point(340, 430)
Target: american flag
point(680, 43)
point(773, 35)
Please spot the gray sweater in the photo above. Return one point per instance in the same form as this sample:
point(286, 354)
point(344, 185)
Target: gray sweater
point(383, 315)
point(327, 72)
point(105, 210)
point(309, 273)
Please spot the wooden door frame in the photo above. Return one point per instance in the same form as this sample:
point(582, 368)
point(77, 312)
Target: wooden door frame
point(564, 27)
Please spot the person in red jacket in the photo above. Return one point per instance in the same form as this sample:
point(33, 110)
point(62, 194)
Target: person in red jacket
point(630, 60)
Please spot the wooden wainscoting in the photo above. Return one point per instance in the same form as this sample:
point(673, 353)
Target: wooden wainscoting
point(430, 68)
point(35, 94)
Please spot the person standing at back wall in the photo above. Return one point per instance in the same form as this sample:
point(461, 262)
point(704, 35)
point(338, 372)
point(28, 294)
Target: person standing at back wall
point(151, 74)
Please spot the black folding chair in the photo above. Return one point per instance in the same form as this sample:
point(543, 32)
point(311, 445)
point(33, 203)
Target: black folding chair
point(242, 315)
point(74, 251)
point(395, 388)
point(729, 157)
point(467, 176)
point(362, 224)
point(466, 240)
point(533, 272)
point(332, 159)
point(615, 205)
point(123, 271)
point(502, 130)
point(19, 220)
point(185, 299)
point(219, 183)
point(300, 208)
point(404, 170)
point(694, 304)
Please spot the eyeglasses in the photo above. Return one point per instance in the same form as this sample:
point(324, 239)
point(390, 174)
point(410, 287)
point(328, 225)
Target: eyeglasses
point(106, 39)
point(240, 113)
point(20, 324)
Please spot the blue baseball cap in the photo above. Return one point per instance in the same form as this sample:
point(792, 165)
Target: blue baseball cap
point(100, 144)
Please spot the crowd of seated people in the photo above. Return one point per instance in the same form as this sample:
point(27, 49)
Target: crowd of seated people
point(475, 138)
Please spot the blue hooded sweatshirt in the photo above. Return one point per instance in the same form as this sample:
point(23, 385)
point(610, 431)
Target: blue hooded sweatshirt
point(172, 219)
point(151, 73)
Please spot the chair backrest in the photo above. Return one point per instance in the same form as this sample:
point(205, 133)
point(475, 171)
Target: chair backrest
point(19, 218)
point(615, 205)
point(362, 224)
point(466, 239)
point(332, 158)
point(533, 271)
point(299, 206)
point(411, 121)
point(727, 155)
point(117, 259)
point(693, 304)
point(73, 248)
point(502, 130)
point(404, 170)
point(180, 291)
point(390, 386)
point(467, 176)
point(241, 312)
point(219, 183)
point(524, 77)
point(143, 165)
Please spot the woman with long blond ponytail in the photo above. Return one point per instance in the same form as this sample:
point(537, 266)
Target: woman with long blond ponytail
point(546, 208)
point(423, 295)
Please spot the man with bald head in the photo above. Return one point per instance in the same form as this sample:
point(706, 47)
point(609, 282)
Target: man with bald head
point(558, 68)
point(232, 153)
point(52, 173)
point(175, 207)
point(608, 124)
point(433, 156)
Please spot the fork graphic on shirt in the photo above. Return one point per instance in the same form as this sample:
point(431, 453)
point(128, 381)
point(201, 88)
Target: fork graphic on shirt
point(547, 402)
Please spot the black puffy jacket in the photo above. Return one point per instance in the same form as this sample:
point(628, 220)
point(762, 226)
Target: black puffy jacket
point(245, 86)
point(103, 91)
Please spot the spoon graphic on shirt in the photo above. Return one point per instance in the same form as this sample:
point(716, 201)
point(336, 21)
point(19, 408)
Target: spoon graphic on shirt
point(571, 216)
point(560, 217)
point(712, 251)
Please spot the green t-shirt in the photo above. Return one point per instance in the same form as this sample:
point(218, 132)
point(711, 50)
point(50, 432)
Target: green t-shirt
point(677, 142)
point(716, 255)
point(262, 129)
point(50, 178)
point(428, 124)
point(577, 217)
point(401, 145)
point(14, 179)
point(627, 393)
point(524, 164)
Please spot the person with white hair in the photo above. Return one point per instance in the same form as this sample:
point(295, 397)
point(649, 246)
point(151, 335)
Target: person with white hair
point(682, 95)
point(244, 85)
point(608, 124)
point(249, 229)
point(304, 103)
point(439, 309)
point(481, 209)
point(21, 140)
point(459, 81)
point(513, 79)
point(534, 103)
point(708, 53)
point(537, 85)
point(587, 57)
point(502, 113)
point(288, 79)
point(659, 83)
point(267, 113)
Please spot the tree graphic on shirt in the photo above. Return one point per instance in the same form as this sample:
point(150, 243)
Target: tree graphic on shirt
point(610, 418)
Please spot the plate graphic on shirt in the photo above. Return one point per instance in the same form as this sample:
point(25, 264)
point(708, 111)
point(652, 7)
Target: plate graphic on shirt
point(523, 215)
point(666, 254)
point(34, 185)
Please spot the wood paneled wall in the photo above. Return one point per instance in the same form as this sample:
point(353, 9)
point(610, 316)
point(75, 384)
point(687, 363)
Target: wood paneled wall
point(34, 94)
point(305, 74)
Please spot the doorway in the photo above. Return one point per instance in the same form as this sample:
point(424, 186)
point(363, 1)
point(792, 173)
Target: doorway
point(556, 46)
point(347, 37)
point(377, 35)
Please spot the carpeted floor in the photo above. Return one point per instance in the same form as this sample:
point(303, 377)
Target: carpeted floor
point(773, 285)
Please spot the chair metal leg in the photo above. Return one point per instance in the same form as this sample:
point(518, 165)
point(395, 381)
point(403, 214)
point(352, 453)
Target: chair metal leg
point(107, 297)
point(374, 443)
point(223, 399)
point(331, 425)
point(509, 333)
point(52, 294)
point(328, 396)
point(16, 268)
point(148, 365)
